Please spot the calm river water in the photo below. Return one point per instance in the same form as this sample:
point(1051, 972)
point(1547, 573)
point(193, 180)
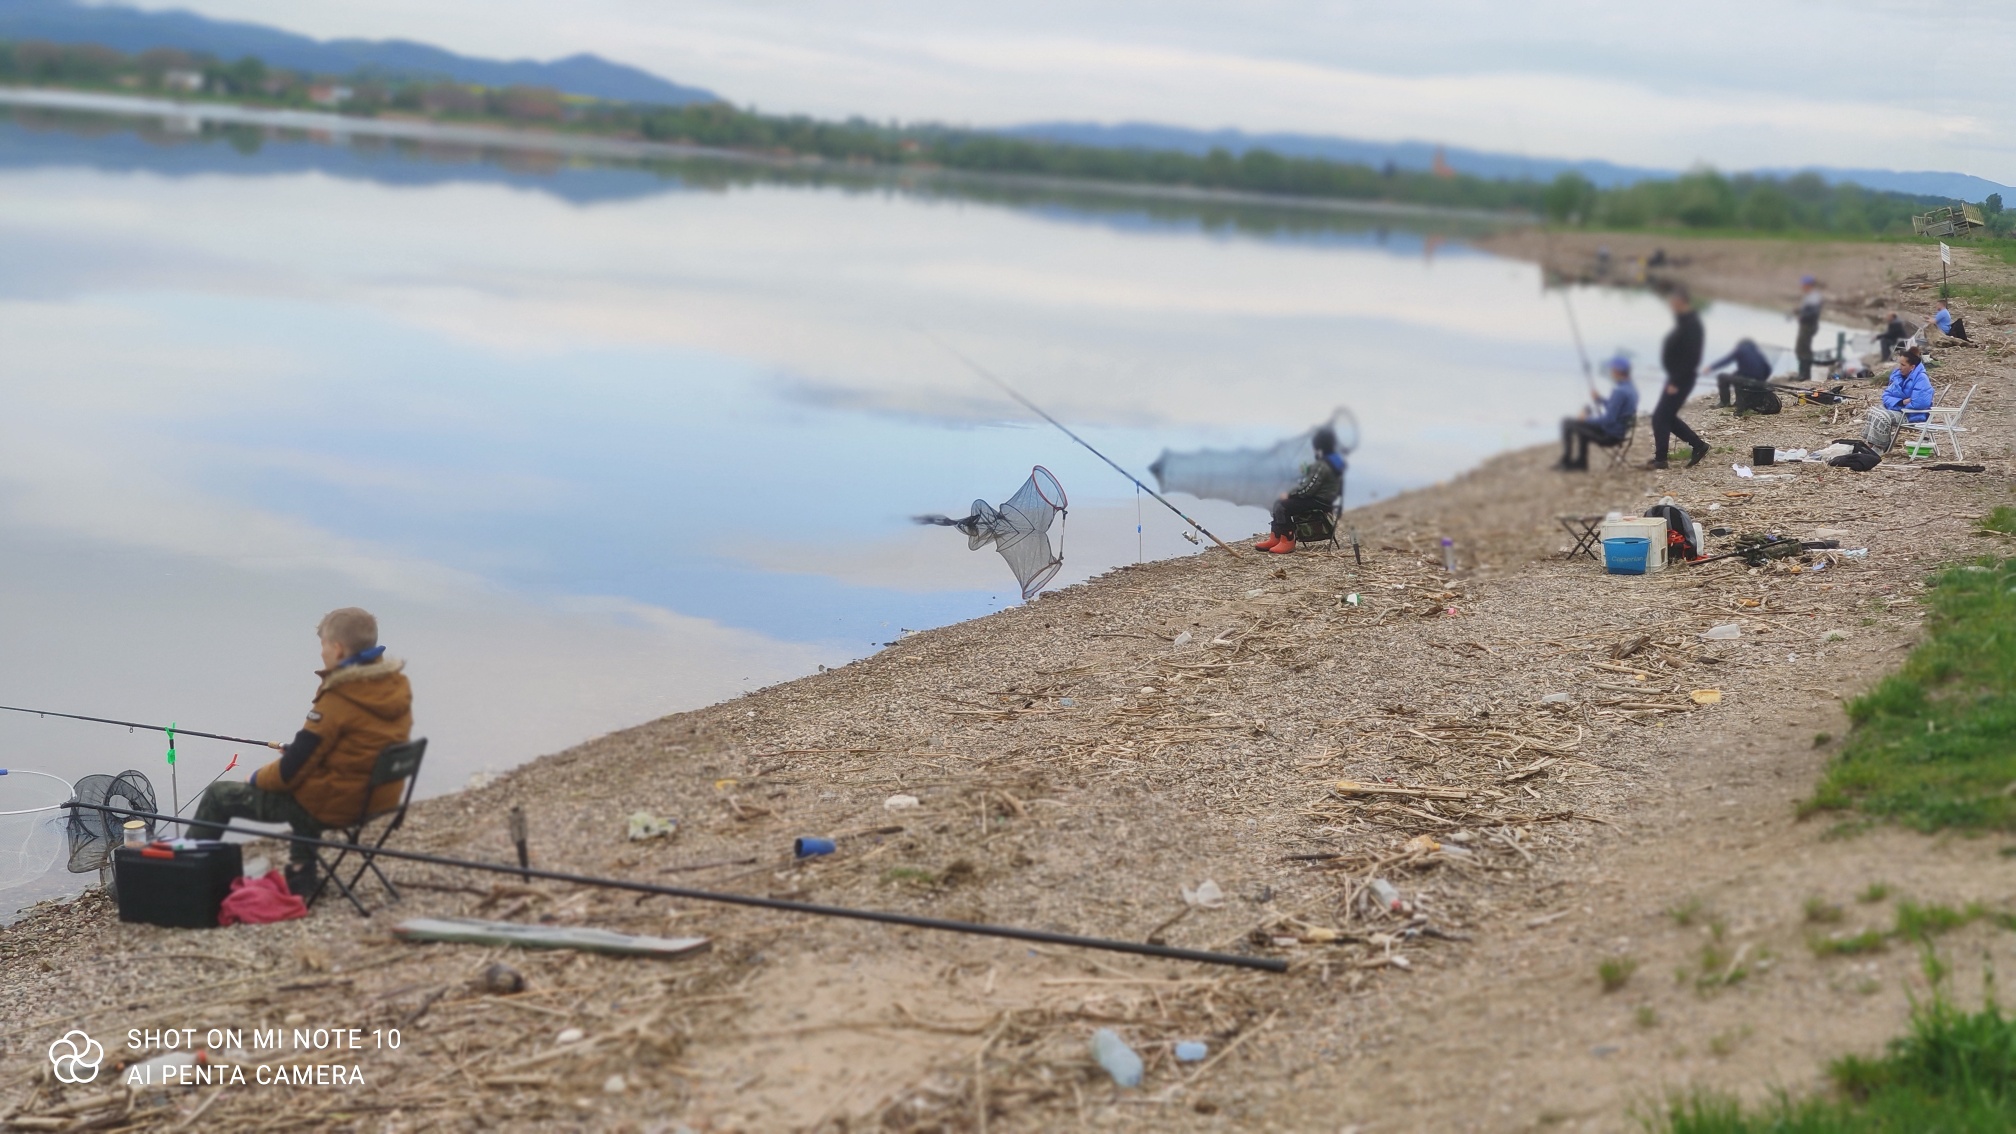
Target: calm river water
point(599, 444)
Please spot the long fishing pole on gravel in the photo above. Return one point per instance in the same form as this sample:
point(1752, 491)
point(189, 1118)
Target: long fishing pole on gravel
point(1032, 407)
point(1267, 964)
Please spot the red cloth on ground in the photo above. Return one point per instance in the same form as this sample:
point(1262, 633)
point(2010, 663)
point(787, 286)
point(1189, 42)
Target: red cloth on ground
point(256, 901)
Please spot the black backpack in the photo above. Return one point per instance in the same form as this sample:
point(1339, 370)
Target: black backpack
point(1864, 458)
point(1682, 536)
point(1756, 397)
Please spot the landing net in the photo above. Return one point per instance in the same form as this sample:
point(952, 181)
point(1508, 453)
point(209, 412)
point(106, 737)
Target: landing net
point(1253, 477)
point(1019, 529)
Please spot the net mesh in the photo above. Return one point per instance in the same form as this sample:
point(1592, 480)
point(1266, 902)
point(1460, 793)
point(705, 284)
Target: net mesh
point(31, 825)
point(1252, 477)
point(1019, 529)
point(93, 834)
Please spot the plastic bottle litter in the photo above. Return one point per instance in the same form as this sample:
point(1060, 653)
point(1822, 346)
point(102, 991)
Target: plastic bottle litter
point(1066, 703)
point(902, 803)
point(1207, 895)
point(1191, 1051)
point(644, 825)
point(1116, 1057)
point(1727, 632)
point(1387, 896)
point(1448, 555)
point(1856, 553)
point(809, 846)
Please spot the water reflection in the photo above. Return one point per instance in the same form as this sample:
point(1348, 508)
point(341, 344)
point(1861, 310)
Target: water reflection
point(599, 444)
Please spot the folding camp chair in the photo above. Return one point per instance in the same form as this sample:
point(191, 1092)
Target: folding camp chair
point(398, 762)
point(1943, 421)
point(1620, 453)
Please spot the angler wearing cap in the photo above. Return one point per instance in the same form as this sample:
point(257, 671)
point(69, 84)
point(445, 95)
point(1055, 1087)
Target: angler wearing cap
point(1318, 491)
point(363, 704)
point(1808, 314)
point(1610, 422)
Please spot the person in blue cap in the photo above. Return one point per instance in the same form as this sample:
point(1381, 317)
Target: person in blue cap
point(1808, 314)
point(1606, 424)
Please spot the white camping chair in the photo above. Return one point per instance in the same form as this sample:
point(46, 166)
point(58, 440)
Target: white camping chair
point(1944, 420)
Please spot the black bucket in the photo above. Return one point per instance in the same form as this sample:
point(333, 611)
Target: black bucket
point(1763, 454)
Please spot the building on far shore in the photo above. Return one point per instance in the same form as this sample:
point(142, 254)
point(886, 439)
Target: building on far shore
point(181, 80)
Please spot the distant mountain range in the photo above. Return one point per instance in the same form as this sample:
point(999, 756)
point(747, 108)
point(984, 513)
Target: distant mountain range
point(1480, 163)
point(132, 30)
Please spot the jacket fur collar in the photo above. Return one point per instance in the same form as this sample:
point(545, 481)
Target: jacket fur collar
point(383, 667)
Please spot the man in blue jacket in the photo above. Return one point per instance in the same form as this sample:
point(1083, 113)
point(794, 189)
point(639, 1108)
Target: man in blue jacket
point(1905, 401)
point(1749, 365)
point(1609, 424)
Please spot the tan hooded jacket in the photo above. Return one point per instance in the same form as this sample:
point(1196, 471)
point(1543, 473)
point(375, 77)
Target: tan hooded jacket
point(358, 711)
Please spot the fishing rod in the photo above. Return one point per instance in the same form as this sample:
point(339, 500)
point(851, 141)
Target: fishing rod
point(1575, 329)
point(1268, 964)
point(1032, 407)
point(172, 730)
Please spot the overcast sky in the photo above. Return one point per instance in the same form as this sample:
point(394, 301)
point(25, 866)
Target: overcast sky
point(1736, 83)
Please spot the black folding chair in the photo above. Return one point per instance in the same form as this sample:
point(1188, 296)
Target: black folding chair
point(1620, 449)
point(398, 762)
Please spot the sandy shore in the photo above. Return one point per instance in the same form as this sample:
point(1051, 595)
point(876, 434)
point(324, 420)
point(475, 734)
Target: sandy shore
point(1083, 759)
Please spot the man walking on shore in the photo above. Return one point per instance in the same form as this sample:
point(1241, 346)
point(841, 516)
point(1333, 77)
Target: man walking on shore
point(1681, 356)
point(1808, 314)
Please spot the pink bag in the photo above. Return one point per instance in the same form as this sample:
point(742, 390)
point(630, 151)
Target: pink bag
point(256, 901)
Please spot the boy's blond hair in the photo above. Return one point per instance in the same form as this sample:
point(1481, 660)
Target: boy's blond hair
point(352, 627)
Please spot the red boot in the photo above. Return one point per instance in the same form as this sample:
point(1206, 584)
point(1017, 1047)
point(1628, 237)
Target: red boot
point(1283, 546)
point(1267, 544)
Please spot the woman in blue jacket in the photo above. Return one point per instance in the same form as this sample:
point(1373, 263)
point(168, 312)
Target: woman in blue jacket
point(1905, 401)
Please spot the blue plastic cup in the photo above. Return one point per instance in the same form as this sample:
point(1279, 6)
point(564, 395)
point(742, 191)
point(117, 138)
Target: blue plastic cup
point(1625, 555)
point(809, 847)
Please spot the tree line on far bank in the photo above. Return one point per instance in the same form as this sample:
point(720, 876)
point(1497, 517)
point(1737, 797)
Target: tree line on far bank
point(1700, 199)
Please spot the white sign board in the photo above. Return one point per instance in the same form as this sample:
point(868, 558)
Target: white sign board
point(1945, 253)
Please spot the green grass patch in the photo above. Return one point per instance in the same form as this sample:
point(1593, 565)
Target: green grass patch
point(2001, 521)
point(1930, 747)
point(1984, 293)
point(1874, 892)
point(1921, 923)
point(910, 876)
point(1820, 911)
point(1953, 1071)
point(1615, 971)
point(1852, 945)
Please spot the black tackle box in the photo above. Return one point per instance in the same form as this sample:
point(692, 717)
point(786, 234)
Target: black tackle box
point(180, 887)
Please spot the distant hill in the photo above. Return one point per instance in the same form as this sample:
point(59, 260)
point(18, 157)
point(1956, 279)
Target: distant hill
point(132, 30)
point(1418, 156)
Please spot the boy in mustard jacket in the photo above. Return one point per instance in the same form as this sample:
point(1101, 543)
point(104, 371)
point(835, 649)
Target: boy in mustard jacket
point(363, 705)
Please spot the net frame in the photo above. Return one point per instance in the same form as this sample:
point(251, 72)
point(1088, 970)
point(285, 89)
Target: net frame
point(22, 864)
point(93, 834)
point(1019, 529)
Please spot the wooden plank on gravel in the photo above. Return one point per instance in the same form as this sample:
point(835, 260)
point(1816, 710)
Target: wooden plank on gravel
point(1352, 787)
